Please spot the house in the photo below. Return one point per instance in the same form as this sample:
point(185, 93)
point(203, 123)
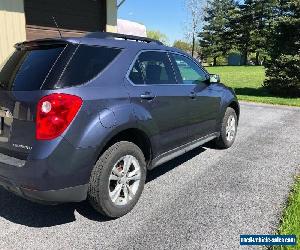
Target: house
point(22, 20)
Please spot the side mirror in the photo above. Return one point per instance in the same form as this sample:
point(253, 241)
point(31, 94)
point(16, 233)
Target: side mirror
point(214, 78)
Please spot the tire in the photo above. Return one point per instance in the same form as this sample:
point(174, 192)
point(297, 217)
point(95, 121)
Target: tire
point(105, 184)
point(223, 141)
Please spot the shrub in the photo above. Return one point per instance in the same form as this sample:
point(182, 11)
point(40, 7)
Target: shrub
point(283, 76)
point(283, 71)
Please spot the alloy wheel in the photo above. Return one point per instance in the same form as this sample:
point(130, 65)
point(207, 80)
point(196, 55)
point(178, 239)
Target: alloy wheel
point(124, 180)
point(230, 128)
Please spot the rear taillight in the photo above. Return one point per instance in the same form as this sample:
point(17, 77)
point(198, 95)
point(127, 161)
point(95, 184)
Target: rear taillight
point(55, 112)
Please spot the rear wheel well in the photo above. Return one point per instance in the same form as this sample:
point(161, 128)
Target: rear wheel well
point(236, 108)
point(135, 136)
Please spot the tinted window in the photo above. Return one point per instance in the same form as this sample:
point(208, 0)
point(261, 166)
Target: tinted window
point(189, 71)
point(86, 63)
point(55, 66)
point(27, 69)
point(152, 67)
point(136, 75)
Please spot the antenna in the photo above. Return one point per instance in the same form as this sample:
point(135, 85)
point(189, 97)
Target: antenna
point(57, 26)
point(120, 3)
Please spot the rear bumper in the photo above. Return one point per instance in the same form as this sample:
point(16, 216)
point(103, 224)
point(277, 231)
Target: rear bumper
point(70, 194)
point(55, 174)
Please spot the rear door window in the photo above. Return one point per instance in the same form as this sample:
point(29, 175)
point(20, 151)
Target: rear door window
point(27, 69)
point(136, 75)
point(152, 67)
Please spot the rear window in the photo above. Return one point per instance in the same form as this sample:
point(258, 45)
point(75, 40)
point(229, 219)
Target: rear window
point(26, 69)
point(52, 67)
point(85, 64)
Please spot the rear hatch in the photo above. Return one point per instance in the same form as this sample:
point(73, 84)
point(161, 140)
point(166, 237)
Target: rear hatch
point(21, 79)
point(28, 75)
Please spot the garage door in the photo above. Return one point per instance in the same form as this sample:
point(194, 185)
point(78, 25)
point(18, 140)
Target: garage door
point(74, 17)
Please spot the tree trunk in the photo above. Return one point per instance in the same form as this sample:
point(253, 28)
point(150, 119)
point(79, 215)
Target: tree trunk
point(215, 61)
point(257, 58)
point(193, 47)
point(245, 58)
point(264, 60)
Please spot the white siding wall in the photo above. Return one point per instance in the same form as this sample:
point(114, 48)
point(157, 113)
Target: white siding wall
point(111, 22)
point(12, 26)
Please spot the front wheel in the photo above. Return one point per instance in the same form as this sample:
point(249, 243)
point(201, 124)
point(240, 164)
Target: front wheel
point(117, 179)
point(228, 129)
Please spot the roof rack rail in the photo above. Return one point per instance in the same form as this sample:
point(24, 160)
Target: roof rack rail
point(104, 35)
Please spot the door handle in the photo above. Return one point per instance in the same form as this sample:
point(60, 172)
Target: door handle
point(193, 95)
point(147, 96)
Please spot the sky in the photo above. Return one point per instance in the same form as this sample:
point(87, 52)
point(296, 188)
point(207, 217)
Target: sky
point(167, 16)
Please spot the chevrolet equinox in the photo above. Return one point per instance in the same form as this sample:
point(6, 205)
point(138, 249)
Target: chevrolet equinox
point(86, 118)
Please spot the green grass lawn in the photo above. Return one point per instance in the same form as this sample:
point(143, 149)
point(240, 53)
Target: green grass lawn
point(247, 83)
point(290, 223)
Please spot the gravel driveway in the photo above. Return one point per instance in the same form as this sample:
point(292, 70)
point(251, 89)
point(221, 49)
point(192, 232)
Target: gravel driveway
point(202, 200)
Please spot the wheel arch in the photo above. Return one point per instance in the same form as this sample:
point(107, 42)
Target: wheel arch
point(235, 105)
point(131, 134)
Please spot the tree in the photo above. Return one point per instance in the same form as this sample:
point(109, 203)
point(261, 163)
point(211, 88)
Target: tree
point(241, 25)
point(263, 15)
point(249, 26)
point(195, 14)
point(283, 69)
point(187, 47)
point(157, 35)
point(212, 38)
point(285, 35)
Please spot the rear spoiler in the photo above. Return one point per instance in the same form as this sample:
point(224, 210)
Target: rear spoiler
point(40, 42)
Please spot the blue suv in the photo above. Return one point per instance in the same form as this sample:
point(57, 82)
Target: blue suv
point(86, 118)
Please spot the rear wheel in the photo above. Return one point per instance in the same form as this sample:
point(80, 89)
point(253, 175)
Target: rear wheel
point(117, 179)
point(228, 129)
